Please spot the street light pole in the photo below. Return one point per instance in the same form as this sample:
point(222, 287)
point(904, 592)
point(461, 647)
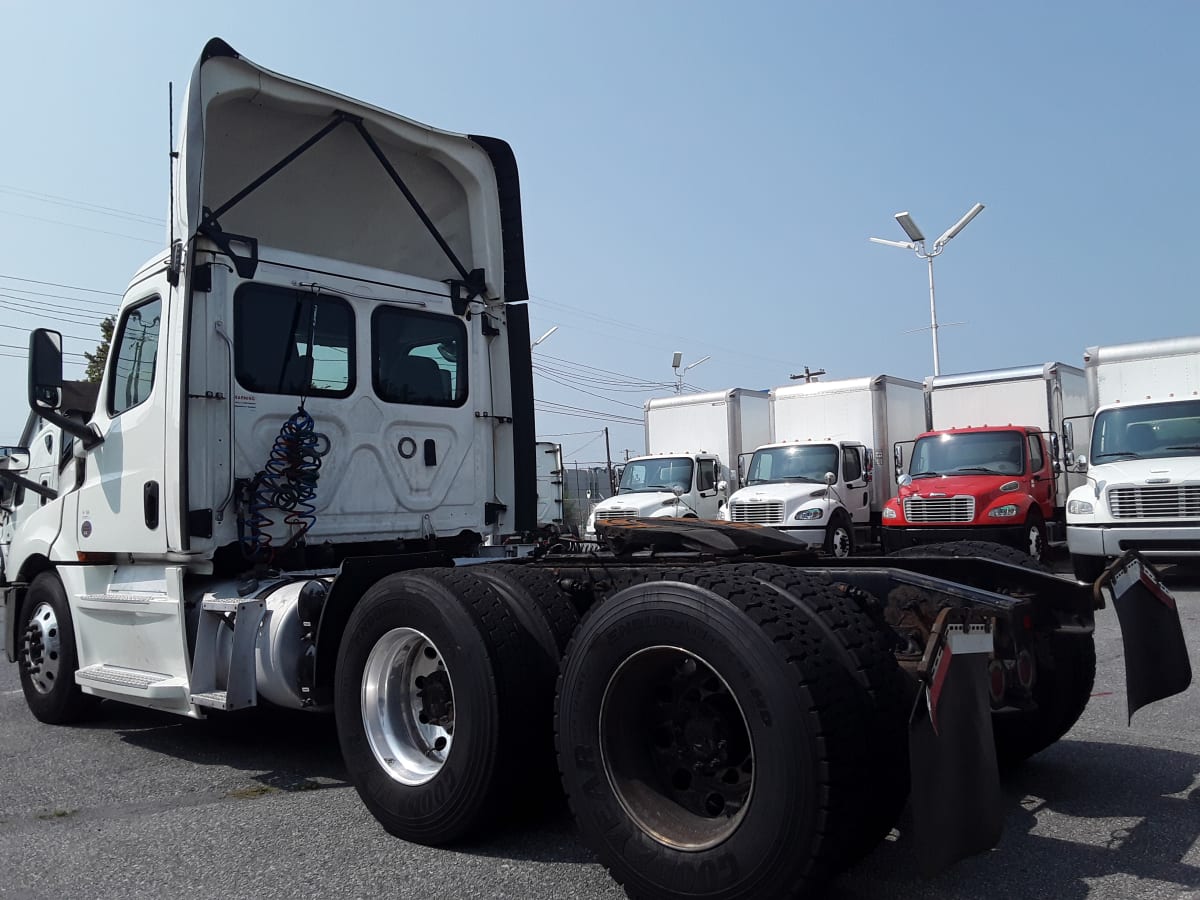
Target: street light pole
point(916, 243)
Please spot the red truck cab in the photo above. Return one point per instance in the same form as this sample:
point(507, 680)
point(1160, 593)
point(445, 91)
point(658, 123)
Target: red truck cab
point(992, 483)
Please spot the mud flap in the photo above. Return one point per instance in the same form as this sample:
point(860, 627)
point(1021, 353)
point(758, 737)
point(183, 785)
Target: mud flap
point(1156, 657)
point(957, 807)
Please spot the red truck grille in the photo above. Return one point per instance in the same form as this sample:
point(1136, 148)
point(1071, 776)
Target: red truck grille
point(939, 509)
point(1167, 501)
point(769, 513)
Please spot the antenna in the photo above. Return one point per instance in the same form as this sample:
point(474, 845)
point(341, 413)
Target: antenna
point(174, 264)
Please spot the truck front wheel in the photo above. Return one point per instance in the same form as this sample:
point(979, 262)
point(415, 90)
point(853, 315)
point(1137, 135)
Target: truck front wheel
point(1035, 536)
point(706, 735)
point(431, 664)
point(839, 536)
point(47, 655)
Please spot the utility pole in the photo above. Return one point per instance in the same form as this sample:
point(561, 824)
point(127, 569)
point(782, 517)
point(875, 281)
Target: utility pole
point(612, 488)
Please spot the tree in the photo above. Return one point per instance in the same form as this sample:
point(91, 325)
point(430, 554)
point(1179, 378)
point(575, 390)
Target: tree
point(95, 361)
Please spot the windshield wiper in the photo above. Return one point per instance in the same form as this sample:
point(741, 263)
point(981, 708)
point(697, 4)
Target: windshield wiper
point(1183, 447)
point(927, 475)
point(1124, 454)
point(984, 469)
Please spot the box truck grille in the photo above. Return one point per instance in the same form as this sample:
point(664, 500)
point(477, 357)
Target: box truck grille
point(939, 509)
point(616, 514)
point(769, 513)
point(1166, 501)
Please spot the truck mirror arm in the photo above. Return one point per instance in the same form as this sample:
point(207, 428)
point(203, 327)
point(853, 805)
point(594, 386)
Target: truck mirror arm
point(86, 433)
point(40, 489)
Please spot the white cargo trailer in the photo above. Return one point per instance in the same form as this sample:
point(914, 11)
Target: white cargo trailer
point(1143, 469)
point(834, 428)
point(1041, 395)
point(693, 446)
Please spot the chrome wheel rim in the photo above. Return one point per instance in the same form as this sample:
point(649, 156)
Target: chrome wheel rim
point(1035, 542)
point(841, 542)
point(41, 649)
point(408, 706)
point(676, 749)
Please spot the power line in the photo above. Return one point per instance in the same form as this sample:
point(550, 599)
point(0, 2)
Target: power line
point(69, 287)
point(82, 205)
point(81, 227)
point(79, 300)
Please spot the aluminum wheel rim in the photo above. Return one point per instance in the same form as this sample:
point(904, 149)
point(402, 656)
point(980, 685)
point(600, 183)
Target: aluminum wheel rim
point(408, 706)
point(1035, 542)
point(635, 743)
point(841, 542)
point(41, 649)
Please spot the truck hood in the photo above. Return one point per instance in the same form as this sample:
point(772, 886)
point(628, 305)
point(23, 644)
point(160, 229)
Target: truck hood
point(642, 502)
point(957, 485)
point(788, 492)
point(335, 198)
point(1172, 470)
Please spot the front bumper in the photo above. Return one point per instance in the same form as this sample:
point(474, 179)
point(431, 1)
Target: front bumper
point(1155, 541)
point(813, 537)
point(899, 537)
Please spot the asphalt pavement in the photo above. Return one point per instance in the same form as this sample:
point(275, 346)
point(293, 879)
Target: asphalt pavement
point(139, 804)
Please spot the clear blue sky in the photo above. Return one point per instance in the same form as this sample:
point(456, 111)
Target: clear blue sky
point(696, 176)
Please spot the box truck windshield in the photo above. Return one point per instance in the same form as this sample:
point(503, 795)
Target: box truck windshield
point(1147, 431)
point(803, 463)
point(984, 453)
point(658, 474)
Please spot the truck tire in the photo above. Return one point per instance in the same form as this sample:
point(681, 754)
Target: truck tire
point(839, 536)
point(707, 739)
point(47, 655)
point(535, 598)
point(866, 649)
point(434, 701)
point(1066, 669)
point(1088, 568)
point(1035, 535)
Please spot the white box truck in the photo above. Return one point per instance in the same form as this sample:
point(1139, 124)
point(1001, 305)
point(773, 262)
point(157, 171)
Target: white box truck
point(817, 479)
point(1143, 468)
point(693, 446)
point(989, 468)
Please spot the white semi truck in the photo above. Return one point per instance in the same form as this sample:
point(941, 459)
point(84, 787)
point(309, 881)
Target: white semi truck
point(822, 479)
point(318, 405)
point(1143, 458)
point(694, 444)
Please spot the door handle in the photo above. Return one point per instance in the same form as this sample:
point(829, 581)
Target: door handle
point(150, 504)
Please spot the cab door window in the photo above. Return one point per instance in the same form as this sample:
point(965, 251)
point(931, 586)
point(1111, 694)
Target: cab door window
point(1035, 453)
point(851, 465)
point(135, 353)
point(706, 479)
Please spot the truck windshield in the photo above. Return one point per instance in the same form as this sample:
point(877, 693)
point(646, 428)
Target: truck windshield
point(808, 462)
point(973, 453)
point(663, 473)
point(1148, 431)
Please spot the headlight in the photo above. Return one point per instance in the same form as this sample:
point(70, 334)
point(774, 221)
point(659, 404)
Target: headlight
point(1079, 508)
point(889, 513)
point(1003, 512)
point(814, 513)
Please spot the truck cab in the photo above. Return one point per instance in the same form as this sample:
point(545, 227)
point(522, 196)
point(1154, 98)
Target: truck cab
point(816, 491)
point(691, 486)
point(987, 483)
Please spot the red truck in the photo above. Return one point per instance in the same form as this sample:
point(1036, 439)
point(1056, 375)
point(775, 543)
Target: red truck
point(992, 483)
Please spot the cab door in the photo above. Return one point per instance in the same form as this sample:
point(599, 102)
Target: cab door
point(121, 503)
point(1041, 475)
point(856, 492)
point(708, 498)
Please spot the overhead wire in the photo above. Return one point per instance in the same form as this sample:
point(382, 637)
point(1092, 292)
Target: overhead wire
point(83, 205)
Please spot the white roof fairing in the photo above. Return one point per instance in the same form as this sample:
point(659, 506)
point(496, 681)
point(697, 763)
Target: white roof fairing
point(335, 200)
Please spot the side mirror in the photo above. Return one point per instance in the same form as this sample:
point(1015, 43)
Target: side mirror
point(904, 480)
point(898, 458)
point(868, 467)
point(1068, 436)
point(830, 479)
point(677, 490)
point(45, 370)
point(722, 486)
point(1057, 467)
point(1054, 452)
point(1081, 463)
point(14, 459)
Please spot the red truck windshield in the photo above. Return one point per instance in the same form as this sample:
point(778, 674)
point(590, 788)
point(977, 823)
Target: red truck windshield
point(981, 452)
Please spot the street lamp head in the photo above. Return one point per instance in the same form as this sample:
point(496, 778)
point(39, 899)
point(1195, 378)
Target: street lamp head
point(901, 244)
point(910, 227)
point(553, 329)
point(677, 359)
point(696, 363)
point(959, 225)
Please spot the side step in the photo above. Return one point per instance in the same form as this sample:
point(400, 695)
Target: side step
point(240, 679)
point(131, 682)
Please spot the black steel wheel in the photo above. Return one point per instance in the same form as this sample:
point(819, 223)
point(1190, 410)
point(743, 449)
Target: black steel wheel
point(706, 736)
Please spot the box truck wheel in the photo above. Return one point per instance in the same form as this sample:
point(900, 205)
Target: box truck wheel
point(839, 535)
point(706, 734)
point(865, 649)
point(433, 701)
point(47, 656)
point(1088, 568)
point(1035, 535)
